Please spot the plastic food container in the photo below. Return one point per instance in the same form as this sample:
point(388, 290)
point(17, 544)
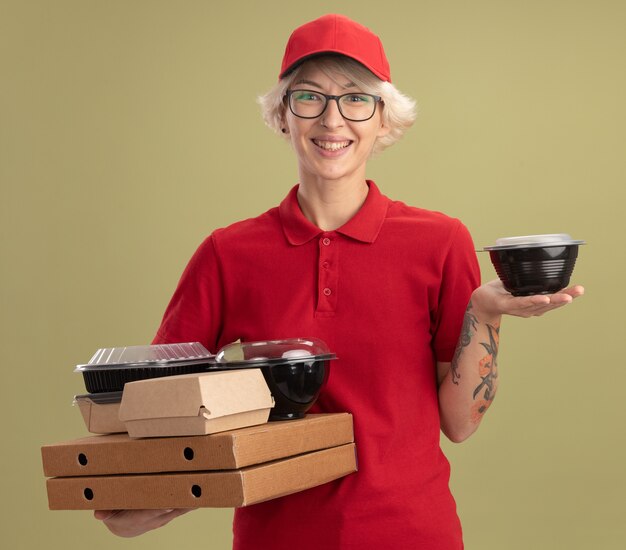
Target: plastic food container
point(110, 368)
point(534, 264)
point(295, 370)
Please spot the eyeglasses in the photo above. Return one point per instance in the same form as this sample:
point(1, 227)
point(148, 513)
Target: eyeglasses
point(356, 107)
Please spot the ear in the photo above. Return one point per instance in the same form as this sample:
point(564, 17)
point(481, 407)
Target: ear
point(383, 130)
point(284, 127)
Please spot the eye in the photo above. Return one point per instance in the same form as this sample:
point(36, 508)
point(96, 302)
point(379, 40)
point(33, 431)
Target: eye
point(306, 96)
point(357, 98)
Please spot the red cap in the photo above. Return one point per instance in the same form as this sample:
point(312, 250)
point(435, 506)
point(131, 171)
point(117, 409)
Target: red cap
point(336, 34)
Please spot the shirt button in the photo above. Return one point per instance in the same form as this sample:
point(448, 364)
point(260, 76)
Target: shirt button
point(325, 265)
point(327, 291)
point(325, 241)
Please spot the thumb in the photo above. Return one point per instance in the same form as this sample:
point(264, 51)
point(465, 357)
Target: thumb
point(103, 514)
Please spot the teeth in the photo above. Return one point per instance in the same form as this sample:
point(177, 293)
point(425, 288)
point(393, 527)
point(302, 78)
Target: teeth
point(331, 145)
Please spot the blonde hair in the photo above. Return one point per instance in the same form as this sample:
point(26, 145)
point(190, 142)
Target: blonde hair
point(398, 110)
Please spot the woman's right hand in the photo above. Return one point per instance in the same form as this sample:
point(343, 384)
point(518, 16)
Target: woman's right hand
point(131, 523)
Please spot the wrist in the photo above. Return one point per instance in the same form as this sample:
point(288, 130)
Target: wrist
point(484, 307)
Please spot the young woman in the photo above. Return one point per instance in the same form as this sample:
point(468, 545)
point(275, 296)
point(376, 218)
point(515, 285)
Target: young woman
point(394, 291)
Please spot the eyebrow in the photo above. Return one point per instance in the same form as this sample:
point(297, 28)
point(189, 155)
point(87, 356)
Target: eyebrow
point(311, 83)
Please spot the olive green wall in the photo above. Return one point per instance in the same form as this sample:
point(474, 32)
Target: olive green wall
point(129, 131)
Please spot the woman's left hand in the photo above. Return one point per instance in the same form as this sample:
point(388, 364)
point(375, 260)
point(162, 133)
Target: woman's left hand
point(491, 299)
point(469, 383)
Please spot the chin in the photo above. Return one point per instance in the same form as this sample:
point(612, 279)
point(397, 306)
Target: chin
point(335, 169)
point(332, 175)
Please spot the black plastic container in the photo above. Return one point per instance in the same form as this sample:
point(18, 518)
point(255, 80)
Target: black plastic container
point(110, 368)
point(295, 370)
point(534, 264)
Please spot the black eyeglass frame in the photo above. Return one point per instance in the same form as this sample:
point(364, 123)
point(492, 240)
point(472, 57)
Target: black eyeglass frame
point(377, 99)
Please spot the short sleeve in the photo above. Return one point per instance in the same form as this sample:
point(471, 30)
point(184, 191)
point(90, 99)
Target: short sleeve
point(194, 313)
point(460, 277)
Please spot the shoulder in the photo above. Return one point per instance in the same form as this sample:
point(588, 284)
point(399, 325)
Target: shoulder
point(248, 231)
point(234, 243)
point(439, 227)
point(241, 237)
point(399, 210)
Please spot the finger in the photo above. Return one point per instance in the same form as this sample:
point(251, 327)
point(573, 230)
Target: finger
point(169, 513)
point(540, 311)
point(553, 305)
point(524, 303)
point(535, 306)
point(560, 299)
point(541, 301)
point(180, 512)
point(103, 515)
point(574, 291)
point(150, 515)
point(538, 307)
point(168, 516)
point(139, 517)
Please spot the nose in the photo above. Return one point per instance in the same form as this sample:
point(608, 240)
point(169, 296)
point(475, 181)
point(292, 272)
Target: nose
point(331, 117)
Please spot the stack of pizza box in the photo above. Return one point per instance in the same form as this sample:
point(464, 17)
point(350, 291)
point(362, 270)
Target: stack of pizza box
point(185, 442)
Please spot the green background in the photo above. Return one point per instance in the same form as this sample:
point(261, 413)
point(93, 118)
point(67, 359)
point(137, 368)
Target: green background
point(129, 131)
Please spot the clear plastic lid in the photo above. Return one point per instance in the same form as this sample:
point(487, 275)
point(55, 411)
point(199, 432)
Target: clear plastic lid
point(146, 356)
point(291, 350)
point(534, 241)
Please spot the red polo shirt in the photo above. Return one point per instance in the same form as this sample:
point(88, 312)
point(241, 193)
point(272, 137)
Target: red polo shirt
point(387, 292)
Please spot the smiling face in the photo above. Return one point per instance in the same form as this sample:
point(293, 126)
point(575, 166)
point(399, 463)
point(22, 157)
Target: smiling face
point(330, 147)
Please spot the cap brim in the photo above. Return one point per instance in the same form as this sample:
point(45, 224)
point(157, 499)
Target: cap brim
point(320, 53)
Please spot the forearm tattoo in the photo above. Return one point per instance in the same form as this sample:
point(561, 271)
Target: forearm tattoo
point(467, 332)
point(488, 371)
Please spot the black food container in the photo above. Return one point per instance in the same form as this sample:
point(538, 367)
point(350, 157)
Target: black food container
point(534, 264)
point(295, 370)
point(110, 368)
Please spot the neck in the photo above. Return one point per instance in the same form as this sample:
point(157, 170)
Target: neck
point(331, 204)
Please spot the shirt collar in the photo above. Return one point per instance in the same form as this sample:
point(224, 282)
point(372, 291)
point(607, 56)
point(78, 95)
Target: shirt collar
point(364, 226)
